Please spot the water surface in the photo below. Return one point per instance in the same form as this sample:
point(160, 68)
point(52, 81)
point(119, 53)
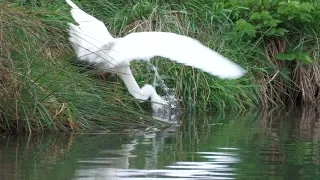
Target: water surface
point(278, 145)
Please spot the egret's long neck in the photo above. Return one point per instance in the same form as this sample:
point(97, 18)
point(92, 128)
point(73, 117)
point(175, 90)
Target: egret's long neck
point(144, 93)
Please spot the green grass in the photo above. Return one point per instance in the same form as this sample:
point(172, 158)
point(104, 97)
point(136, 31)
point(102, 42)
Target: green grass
point(198, 90)
point(42, 91)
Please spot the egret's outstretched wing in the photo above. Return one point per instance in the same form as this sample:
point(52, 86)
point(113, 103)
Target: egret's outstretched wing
point(89, 36)
point(182, 49)
point(91, 26)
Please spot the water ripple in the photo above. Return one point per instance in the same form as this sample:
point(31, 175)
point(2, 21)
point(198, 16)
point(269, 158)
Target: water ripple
point(217, 166)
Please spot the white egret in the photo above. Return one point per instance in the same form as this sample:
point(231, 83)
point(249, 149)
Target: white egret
point(93, 43)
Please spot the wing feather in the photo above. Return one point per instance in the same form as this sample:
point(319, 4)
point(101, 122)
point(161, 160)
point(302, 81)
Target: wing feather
point(182, 49)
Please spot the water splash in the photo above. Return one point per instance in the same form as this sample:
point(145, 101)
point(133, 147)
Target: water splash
point(171, 112)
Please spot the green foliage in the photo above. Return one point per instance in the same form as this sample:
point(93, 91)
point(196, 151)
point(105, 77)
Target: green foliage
point(302, 56)
point(242, 26)
point(288, 28)
point(268, 19)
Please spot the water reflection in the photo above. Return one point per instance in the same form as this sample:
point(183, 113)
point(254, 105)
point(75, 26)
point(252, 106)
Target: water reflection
point(114, 164)
point(278, 145)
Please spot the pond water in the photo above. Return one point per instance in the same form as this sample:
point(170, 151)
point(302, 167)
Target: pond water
point(278, 145)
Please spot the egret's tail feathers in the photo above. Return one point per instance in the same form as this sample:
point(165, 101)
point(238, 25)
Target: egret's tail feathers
point(90, 25)
point(89, 49)
point(80, 16)
point(83, 44)
point(74, 37)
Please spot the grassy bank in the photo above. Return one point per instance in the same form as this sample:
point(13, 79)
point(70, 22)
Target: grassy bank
point(40, 90)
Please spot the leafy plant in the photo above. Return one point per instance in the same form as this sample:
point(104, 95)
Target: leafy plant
point(302, 56)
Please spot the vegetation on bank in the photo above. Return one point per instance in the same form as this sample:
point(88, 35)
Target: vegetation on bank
point(276, 40)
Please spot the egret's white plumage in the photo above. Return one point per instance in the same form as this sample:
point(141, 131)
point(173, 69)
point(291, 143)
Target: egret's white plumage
point(93, 43)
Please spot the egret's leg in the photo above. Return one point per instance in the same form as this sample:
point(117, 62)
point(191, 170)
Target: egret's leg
point(103, 75)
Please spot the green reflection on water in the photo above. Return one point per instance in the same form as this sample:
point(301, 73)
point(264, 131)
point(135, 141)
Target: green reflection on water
point(278, 145)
